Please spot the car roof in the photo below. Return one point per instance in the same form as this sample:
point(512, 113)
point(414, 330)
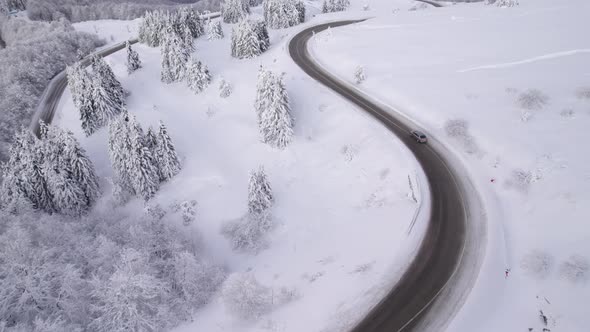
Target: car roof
point(418, 132)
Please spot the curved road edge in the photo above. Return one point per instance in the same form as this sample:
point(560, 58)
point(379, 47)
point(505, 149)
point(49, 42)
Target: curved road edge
point(442, 273)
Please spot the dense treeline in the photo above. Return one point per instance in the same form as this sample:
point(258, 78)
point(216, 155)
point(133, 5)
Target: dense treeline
point(34, 53)
point(85, 10)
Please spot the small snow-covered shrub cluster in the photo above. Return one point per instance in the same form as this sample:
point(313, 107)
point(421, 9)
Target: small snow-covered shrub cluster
point(104, 272)
point(245, 297)
point(459, 130)
point(576, 269)
point(214, 30)
point(506, 3)
point(249, 39)
point(34, 53)
point(520, 180)
point(537, 264)
point(532, 99)
point(280, 14)
point(419, 6)
point(248, 233)
point(225, 88)
point(359, 75)
point(583, 93)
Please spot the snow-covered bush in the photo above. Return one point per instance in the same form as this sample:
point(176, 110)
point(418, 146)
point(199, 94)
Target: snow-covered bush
point(576, 269)
point(249, 39)
point(283, 13)
point(520, 180)
point(233, 11)
point(187, 209)
point(245, 297)
point(273, 110)
point(459, 130)
point(225, 88)
point(537, 264)
point(419, 6)
point(532, 99)
point(359, 74)
point(583, 93)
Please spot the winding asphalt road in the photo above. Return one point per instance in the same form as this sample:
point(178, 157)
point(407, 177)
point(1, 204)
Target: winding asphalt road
point(441, 250)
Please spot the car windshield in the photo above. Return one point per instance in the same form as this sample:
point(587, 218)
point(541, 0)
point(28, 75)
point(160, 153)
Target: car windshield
point(422, 136)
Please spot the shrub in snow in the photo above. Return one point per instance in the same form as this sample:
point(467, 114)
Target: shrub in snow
point(576, 269)
point(225, 88)
point(583, 93)
point(520, 180)
point(330, 6)
point(273, 110)
point(133, 62)
point(283, 13)
point(245, 297)
point(459, 130)
point(214, 30)
point(537, 263)
point(359, 74)
point(532, 99)
point(249, 39)
point(233, 11)
point(197, 76)
point(188, 210)
point(506, 3)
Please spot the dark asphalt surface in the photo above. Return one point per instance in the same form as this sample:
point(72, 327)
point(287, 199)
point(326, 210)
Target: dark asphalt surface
point(440, 252)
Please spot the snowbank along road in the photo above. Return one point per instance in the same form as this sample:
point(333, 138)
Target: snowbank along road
point(407, 304)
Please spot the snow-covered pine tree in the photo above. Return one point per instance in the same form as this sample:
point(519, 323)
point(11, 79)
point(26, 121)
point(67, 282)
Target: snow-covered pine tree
point(330, 6)
point(69, 173)
point(23, 175)
point(175, 54)
point(233, 11)
point(225, 88)
point(151, 141)
point(214, 30)
point(151, 28)
point(166, 156)
point(143, 172)
point(80, 83)
point(133, 62)
point(262, 91)
point(280, 14)
point(260, 197)
point(300, 5)
point(193, 21)
point(197, 76)
point(249, 39)
point(119, 153)
point(107, 94)
point(507, 3)
point(274, 113)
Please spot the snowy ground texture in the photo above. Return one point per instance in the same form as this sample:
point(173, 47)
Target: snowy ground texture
point(508, 89)
point(342, 208)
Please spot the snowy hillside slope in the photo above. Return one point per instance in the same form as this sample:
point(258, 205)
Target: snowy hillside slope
point(342, 213)
point(509, 90)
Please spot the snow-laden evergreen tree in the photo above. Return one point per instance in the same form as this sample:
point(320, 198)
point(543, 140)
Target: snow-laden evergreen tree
point(133, 62)
point(507, 3)
point(71, 178)
point(151, 140)
point(120, 153)
point(359, 74)
point(81, 88)
point(143, 172)
point(168, 163)
point(151, 28)
point(214, 30)
point(197, 76)
point(260, 197)
point(225, 88)
point(23, 175)
point(330, 6)
point(107, 92)
point(283, 13)
point(274, 113)
point(249, 39)
point(193, 21)
point(233, 11)
point(175, 55)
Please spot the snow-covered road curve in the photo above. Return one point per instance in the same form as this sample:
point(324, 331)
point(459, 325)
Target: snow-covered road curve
point(442, 265)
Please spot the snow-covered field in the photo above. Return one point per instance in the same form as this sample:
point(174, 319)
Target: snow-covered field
point(342, 211)
point(518, 82)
